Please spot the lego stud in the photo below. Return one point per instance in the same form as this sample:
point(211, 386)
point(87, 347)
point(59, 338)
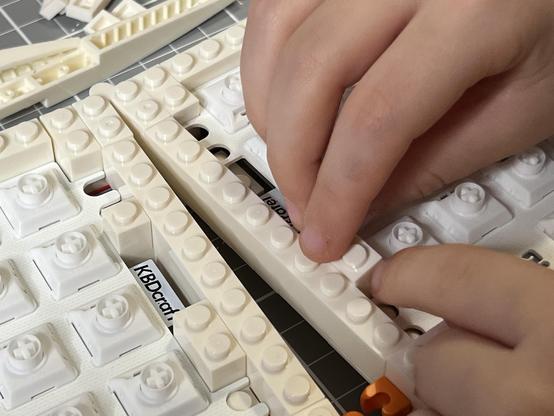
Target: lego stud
point(405, 234)
point(304, 264)
point(386, 335)
point(33, 190)
point(231, 92)
point(176, 222)
point(275, 359)
point(218, 347)
point(198, 317)
point(468, 198)
point(253, 329)
point(124, 151)
point(109, 127)
point(68, 411)
point(158, 198)
point(26, 132)
point(72, 249)
point(209, 49)
point(531, 162)
point(258, 214)
point(234, 193)
point(147, 110)
point(25, 353)
point(356, 256)
point(157, 381)
point(175, 95)
point(124, 213)
point(214, 274)
point(211, 172)
point(385, 396)
point(112, 312)
point(297, 390)
point(141, 174)
point(94, 105)
point(62, 118)
point(282, 237)
point(194, 248)
point(233, 301)
point(127, 91)
point(189, 151)
point(332, 284)
point(182, 63)
point(359, 310)
point(167, 131)
point(154, 77)
point(234, 36)
point(240, 401)
point(77, 141)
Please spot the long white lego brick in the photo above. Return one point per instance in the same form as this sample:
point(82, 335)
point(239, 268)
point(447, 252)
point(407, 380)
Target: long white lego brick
point(321, 293)
point(75, 150)
point(210, 346)
point(277, 377)
point(99, 55)
point(84, 10)
point(209, 59)
point(24, 147)
point(12, 58)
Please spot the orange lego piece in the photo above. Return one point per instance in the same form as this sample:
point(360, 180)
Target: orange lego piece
point(385, 396)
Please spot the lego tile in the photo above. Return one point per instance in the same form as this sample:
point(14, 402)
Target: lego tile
point(42, 31)
point(337, 377)
point(279, 312)
point(188, 40)
point(68, 24)
point(5, 26)
point(11, 40)
point(22, 12)
point(126, 74)
point(160, 59)
point(254, 284)
point(239, 9)
point(231, 257)
point(307, 342)
point(160, 52)
point(216, 23)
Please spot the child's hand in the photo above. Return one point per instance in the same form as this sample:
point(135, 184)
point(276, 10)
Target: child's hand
point(471, 80)
point(497, 358)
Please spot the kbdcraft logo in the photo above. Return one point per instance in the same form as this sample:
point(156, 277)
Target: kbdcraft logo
point(162, 296)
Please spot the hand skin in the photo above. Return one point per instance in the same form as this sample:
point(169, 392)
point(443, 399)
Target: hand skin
point(497, 356)
point(444, 88)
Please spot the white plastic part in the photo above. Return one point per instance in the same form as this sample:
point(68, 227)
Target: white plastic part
point(101, 21)
point(115, 325)
point(84, 10)
point(467, 214)
point(211, 347)
point(83, 405)
point(23, 147)
point(15, 299)
point(241, 400)
point(357, 261)
point(161, 388)
point(30, 364)
point(129, 230)
point(51, 8)
point(321, 408)
point(74, 261)
point(401, 234)
point(36, 200)
point(127, 9)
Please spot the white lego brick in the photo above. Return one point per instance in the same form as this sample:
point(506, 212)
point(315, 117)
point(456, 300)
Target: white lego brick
point(401, 234)
point(127, 9)
point(114, 325)
point(159, 291)
point(129, 230)
point(74, 261)
point(467, 214)
point(36, 200)
point(15, 299)
point(161, 388)
point(23, 147)
point(51, 8)
point(527, 177)
point(75, 150)
point(83, 405)
point(101, 21)
point(210, 346)
point(324, 296)
point(322, 408)
point(209, 59)
point(30, 364)
point(84, 10)
point(224, 100)
point(103, 121)
point(357, 261)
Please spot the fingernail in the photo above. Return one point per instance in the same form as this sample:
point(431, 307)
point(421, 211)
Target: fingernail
point(377, 277)
point(294, 214)
point(313, 241)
